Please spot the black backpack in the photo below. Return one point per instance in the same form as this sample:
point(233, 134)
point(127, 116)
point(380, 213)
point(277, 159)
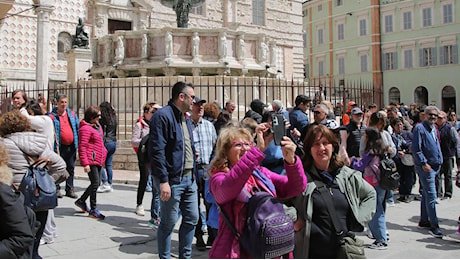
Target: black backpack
point(389, 176)
point(143, 150)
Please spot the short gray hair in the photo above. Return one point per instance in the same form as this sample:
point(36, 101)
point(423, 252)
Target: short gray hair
point(323, 107)
point(430, 108)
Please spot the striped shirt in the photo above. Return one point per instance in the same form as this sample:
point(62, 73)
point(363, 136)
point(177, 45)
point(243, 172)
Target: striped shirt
point(205, 137)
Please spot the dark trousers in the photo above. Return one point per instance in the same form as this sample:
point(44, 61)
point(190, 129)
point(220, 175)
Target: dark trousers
point(41, 216)
point(446, 170)
point(69, 154)
point(143, 179)
point(407, 180)
point(200, 194)
point(95, 178)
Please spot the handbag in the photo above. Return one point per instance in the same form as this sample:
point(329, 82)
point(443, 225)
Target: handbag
point(38, 187)
point(408, 159)
point(350, 247)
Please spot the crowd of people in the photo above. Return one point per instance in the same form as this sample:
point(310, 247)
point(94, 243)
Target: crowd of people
point(200, 163)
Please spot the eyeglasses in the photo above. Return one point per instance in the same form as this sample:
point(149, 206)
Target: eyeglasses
point(239, 145)
point(433, 114)
point(317, 112)
point(185, 94)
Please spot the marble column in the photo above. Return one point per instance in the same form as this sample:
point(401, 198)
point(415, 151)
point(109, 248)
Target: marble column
point(43, 46)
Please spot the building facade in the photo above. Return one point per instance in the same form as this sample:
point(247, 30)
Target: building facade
point(23, 38)
point(408, 48)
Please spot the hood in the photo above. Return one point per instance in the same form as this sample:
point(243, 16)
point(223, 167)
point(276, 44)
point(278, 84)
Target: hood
point(31, 143)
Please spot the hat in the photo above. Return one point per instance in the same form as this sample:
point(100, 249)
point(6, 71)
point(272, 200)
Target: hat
point(199, 100)
point(356, 111)
point(351, 103)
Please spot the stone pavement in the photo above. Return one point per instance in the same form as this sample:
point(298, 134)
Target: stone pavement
point(123, 234)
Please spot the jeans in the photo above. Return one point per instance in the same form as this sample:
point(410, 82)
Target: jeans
point(155, 205)
point(111, 148)
point(69, 154)
point(201, 225)
point(377, 224)
point(428, 202)
point(446, 170)
point(94, 176)
point(183, 197)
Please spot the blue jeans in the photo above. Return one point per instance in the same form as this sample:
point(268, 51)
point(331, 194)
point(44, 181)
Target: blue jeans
point(183, 197)
point(377, 224)
point(111, 148)
point(428, 202)
point(69, 154)
point(155, 205)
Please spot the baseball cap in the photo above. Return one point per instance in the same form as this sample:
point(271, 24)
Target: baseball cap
point(199, 100)
point(356, 111)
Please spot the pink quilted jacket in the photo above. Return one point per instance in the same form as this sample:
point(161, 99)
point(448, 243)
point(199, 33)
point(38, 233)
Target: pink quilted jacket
point(225, 188)
point(91, 149)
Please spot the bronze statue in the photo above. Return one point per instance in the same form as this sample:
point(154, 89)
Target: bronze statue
point(182, 9)
point(80, 39)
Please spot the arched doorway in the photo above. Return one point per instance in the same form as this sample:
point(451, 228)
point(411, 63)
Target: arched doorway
point(421, 96)
point(394, 95)
point(448, 98)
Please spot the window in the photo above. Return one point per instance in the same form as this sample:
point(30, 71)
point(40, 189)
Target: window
point(362, 27)
point(339, 2)
point(448, 54)
point(390, 61)
point(447, 15)
point(341, 65)
point(388, 23)
point(320, 36)
point(340, 32)
point(321, 68)
point(320, 8)
point(427, 57)
point(198, 10)
point(363, 63)
point(408, 59)
point(407, 20)
point(258, 12)
point(114, 25)
point(426, 17)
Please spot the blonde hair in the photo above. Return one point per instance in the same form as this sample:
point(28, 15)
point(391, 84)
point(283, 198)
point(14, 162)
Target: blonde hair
point(6, 176)
point(224, 143)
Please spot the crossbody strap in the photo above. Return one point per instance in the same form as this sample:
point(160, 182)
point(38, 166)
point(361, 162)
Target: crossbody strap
point(325, 193)
point(227, 221)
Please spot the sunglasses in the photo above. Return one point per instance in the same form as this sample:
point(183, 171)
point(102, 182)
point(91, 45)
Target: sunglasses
point(433, 114)
point(317, 112)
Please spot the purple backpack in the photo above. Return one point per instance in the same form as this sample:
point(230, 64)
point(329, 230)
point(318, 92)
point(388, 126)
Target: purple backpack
point(268, 232)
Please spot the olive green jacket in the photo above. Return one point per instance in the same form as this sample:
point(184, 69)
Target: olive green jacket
point(360, 195)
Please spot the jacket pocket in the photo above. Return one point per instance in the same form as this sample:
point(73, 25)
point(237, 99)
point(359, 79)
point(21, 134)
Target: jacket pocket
point(93, 155)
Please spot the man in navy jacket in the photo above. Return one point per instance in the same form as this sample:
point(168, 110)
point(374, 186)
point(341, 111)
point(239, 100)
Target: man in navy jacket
point(172, 157)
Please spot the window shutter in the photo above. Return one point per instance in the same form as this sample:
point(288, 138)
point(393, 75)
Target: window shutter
point(395, 60)
point(384, 61)
point(455, 54)
point(442, 61)
point(421, 58)
point(433, 56)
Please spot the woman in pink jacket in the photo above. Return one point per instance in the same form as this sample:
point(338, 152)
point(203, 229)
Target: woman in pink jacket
point(92, 153)
point(232, 177)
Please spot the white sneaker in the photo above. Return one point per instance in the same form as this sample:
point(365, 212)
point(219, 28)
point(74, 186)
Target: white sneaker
point(108, 187)
point(101, 189)
point(140, 210)
point(45, 240)
point(455, 236)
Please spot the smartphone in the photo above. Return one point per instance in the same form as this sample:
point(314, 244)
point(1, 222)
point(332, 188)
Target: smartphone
point(278, 128)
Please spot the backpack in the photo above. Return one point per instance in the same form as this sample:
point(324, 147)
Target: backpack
point(143, 150)
point(269, 231)
point(38, 188)
point(389, 176)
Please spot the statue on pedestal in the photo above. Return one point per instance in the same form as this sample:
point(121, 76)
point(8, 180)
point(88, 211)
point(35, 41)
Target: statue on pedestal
point(182, 9)
point(80, 39)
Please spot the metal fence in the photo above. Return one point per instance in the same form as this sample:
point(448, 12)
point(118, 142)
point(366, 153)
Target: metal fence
point(128, 95)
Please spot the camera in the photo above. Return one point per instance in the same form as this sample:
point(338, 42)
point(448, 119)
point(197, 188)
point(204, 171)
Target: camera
point(278, 128)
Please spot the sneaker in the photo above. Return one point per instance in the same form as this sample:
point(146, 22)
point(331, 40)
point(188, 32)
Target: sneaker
point(44, 241)
point(140, 210)
point(95, 213)
point(82, 205)
point(148, 189)
point(108, 187)
point(59, 194)
point(455, 236)
point(424, 224)
point(369, 234)
point(435, 232)
point(391, 203)
point(154, 223)
point(378, 246)
point(101, 189)
point(204, 230)
point(71, 193)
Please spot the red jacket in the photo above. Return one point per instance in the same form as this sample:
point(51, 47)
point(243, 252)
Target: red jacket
point(91, 149)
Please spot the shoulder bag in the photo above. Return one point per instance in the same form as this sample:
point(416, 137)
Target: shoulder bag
point(351, 247)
